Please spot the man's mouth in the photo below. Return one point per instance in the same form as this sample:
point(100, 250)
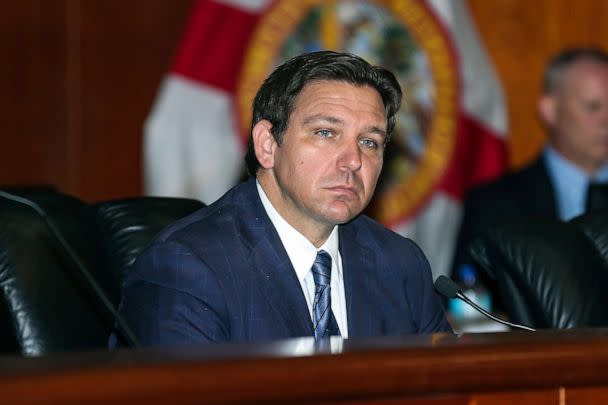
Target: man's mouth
point(344, 190)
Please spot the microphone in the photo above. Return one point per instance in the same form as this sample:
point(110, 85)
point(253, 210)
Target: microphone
point(450, 289)
point(101, 295)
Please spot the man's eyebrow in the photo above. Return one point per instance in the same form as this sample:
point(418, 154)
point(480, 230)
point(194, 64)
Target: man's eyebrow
point(321, 117)
point(376, 130)
point(313, 119)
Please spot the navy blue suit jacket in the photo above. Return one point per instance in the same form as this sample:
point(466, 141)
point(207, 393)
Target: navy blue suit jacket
point(222, 274)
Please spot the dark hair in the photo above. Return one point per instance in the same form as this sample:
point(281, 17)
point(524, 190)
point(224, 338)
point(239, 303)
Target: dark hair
point(276, 97)
point(566, 58)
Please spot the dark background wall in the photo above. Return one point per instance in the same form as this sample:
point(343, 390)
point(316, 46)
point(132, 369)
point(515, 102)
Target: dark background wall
point(78, 77)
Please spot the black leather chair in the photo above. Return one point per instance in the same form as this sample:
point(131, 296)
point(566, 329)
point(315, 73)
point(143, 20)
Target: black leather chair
point(550, 274)
point(47, 304)
point(125, 227)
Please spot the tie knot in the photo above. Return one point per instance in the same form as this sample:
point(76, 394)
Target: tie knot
point(321, 268)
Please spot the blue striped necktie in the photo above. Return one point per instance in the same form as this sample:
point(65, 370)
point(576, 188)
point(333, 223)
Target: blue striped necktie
point(323, 318)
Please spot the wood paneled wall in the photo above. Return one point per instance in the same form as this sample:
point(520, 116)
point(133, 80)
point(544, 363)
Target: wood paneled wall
point(78, 77)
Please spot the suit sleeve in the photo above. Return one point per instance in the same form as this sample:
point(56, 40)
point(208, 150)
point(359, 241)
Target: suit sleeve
point(425, 302)
point(172, 297)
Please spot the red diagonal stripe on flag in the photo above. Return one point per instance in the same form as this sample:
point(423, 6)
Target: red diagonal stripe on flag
point(213, 46)
point(479, 156)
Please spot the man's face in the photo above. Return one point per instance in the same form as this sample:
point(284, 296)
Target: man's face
point(327, 167)
point(579, 121)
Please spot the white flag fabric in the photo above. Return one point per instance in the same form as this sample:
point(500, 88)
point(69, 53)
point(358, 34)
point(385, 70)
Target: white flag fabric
point(193, 146)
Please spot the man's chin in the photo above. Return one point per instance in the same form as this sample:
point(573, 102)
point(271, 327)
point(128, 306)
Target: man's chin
point(342, 214)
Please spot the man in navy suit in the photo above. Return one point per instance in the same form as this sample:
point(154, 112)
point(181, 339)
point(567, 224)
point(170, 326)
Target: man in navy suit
point(287, 253)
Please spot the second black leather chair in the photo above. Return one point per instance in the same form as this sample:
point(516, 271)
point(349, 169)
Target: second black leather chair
point(550, 274)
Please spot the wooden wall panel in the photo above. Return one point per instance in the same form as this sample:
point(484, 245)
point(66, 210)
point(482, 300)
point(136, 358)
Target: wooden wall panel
point(77, 79)
point(126, 50)
point(32, 92)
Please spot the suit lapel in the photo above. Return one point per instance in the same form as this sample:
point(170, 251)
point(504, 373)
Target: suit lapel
point(358, 265)
point(542, 189)
point(271, 266)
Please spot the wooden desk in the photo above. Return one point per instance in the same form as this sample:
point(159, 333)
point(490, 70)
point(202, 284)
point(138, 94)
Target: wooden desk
point(547, 367)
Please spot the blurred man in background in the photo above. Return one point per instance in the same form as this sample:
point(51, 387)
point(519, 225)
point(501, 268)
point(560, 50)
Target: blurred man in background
point(570, 175)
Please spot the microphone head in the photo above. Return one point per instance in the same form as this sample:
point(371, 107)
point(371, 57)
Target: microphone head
point(446, 287)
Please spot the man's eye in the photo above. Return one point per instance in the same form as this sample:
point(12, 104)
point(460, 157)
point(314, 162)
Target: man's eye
point(369, 143)
point(325, 133)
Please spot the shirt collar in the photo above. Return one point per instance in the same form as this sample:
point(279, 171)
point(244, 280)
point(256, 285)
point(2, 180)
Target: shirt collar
point(559, 164)
point(601, 176)
point(301, 251)
point(570, 183)
point(568, 171)
point(563, 173)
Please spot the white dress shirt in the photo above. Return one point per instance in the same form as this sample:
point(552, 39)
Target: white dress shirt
point(302, 254)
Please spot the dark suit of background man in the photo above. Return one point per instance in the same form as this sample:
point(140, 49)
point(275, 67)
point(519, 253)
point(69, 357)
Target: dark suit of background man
point(560, 182)
point(242, 268)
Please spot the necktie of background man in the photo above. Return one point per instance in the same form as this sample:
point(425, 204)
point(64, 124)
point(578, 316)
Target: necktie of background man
point(597, 197)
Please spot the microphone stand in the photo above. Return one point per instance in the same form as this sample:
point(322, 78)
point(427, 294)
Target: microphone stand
point(466, 299)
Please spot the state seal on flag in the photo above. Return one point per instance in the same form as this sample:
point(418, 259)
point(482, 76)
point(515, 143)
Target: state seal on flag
point(403, 36)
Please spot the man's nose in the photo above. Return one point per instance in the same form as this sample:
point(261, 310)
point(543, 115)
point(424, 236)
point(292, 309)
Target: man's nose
point(350, 156)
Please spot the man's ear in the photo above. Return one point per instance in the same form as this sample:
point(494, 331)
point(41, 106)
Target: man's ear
point(547, 109)
point(264, 143)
